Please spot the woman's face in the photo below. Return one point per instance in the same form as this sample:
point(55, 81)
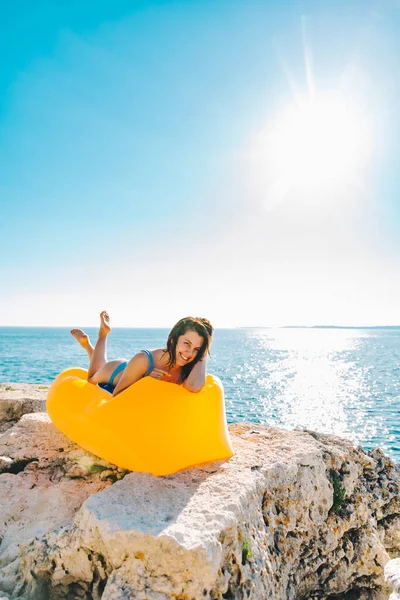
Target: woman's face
point(187, 347)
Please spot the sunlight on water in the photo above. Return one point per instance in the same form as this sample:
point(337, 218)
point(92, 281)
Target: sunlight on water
point(313, 394)
point(327, 380)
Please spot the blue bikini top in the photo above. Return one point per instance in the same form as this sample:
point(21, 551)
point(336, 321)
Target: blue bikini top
point(151, 362)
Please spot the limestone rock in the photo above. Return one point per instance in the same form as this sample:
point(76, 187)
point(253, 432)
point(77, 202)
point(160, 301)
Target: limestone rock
point(392, 575)
point(391, 532)
point(292, 516)
point(17, 399)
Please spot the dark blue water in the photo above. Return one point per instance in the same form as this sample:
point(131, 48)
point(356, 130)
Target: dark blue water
point(341, 381)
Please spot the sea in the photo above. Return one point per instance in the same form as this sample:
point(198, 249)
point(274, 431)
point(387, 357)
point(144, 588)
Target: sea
point(341, 381)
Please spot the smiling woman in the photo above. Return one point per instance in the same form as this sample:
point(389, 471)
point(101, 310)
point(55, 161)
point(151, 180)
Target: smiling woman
point(183, 361)
point(150, 427)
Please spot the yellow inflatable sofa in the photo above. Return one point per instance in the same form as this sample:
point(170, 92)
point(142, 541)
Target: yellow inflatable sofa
point(152, 426)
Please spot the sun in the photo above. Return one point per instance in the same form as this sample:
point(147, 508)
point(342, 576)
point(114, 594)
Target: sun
point(323, 140)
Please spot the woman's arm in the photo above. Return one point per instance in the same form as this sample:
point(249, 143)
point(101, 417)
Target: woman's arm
point(135, 370)
point(197, 378)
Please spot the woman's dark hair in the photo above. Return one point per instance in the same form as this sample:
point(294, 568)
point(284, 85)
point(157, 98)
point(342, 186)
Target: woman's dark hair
point(201, 326)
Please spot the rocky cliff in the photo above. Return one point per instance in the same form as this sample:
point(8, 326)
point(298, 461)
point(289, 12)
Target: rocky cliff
point(292, 516)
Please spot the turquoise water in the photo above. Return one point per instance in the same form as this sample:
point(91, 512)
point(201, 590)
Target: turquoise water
point(341, 381)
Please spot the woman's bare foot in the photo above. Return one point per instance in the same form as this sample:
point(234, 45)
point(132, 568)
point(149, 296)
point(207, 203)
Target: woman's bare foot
point(105, 327)
point(83, 339)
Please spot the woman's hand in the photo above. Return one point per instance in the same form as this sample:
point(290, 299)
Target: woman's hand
point(160, 375)
point(197, 377)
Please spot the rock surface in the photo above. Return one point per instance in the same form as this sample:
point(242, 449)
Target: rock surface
point(292, 516)
point(392, 575)
point(17, 399)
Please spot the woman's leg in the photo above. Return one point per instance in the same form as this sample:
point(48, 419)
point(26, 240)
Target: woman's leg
point(83, 339)
point(100, 370)
point(98, 357)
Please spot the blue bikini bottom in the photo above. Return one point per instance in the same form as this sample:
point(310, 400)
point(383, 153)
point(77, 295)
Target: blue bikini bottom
point(110, 387)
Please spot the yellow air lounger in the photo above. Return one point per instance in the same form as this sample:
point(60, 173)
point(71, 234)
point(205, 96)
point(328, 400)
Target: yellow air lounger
point(152, 426)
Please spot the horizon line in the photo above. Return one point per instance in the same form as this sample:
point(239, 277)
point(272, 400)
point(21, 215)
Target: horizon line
point(225, 327)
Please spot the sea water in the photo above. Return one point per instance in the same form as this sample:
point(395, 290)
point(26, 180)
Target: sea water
point(332, 380)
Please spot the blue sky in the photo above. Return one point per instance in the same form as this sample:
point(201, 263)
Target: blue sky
point(138, 146)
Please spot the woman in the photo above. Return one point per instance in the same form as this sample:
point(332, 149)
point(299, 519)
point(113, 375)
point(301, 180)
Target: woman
point(183, 361)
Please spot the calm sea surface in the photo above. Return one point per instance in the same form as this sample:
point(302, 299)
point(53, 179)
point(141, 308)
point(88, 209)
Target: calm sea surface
point(341, 381)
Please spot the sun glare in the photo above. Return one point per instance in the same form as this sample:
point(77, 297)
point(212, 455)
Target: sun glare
point(319, 141)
